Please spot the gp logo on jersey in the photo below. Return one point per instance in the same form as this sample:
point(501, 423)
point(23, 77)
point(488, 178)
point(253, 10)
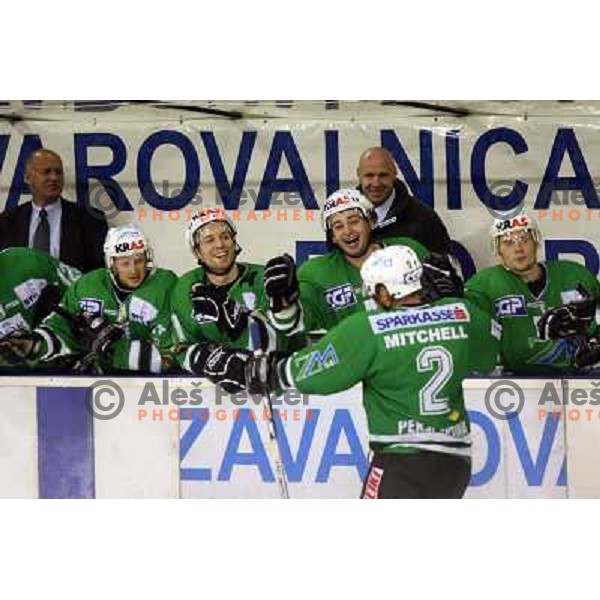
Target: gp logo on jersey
point(511, 306)
point(451, 313)
point(91, 307)
point(340, 297)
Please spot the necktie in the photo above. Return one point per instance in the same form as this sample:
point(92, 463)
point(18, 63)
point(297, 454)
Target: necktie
point(41, 239)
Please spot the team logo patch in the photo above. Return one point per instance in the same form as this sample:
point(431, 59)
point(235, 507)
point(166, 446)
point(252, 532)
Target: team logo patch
point(92, 307)
point(141, 311)
point(511, 306)
point(316, 362)
point(29, 291)
point(403, 319)
point(340, 297)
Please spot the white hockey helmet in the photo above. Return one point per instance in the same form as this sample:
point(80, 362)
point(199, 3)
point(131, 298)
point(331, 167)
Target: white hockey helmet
point(522, 222)
point(345, 199)
point(396, 267)
point(203, 217)
point(126, 240)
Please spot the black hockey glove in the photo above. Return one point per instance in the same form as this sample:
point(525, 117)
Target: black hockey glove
point(49, 298)
point(440, 279)
point(281, 283)
point(212, 304)
point(266, 373)
point(588, 354)
point(18, 347)
point(221, 365)
point(568, 321)
point(99, 337)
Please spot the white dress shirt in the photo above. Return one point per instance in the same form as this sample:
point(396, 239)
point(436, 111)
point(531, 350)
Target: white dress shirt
point(382, 210)
point(54, 212)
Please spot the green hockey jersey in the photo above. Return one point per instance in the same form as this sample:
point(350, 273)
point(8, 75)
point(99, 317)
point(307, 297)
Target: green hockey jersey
point(248, 291)
point(507, 297)
point(143, 313)
point(24, 273)
point(412, 362)
point(331, 288)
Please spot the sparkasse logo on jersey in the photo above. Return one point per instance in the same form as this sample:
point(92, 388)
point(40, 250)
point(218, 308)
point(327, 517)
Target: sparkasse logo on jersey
point(511, 306)
point(341, 296)
point(452, 313)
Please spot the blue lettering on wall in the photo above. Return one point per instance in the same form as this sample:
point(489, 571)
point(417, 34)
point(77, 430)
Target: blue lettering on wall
point(230, 192)
point(103, 173)
point(478, 171)
point(534, 470)
point(421, 187)
point(199, 418)
point(332, 162)
point(258, 456)
point(342, 422)
point(192, 170)
point(492, 460)
point(467, 265)
point(453, 186)
point(304, 250)
point(565, 142)
point(284, 145)
point(554, 248)
point(294, 469)
point(18, 186)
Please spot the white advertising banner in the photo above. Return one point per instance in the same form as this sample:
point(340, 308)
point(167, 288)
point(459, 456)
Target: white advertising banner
point(274, 173)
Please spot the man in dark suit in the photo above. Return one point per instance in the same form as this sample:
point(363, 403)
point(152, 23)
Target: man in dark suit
point(50, 223)
point(398, 213)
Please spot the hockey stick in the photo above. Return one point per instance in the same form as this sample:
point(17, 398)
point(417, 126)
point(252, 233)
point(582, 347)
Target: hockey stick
point(274, 447)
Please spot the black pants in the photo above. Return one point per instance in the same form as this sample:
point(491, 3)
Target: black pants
point(419, 475)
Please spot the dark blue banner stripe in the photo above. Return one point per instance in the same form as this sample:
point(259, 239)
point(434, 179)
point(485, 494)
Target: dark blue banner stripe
point(65, 444)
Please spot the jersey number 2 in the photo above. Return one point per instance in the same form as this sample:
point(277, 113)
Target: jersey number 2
point(438, 359)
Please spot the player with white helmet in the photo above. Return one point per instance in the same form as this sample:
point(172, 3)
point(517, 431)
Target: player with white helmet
point(330, 285)
point(117, 317)
point(411, 356)
point(221, 300)
point(521, 289)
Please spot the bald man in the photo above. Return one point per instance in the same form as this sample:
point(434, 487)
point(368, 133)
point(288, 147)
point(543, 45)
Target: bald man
point(72, 234)
point(398, 213)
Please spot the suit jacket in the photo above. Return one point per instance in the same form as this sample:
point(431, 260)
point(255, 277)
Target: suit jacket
point(82, 233)
point(409, 217)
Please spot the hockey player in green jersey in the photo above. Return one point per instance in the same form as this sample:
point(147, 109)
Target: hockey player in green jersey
point(520, 289)
point(118, 315)
point(222, 300)
point(28, 278)
point(329, 285)
point(411, 356)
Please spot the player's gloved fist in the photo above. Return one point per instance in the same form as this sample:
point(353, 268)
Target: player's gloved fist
point(101, 336)
point(222, 365)
point(49, 298)
point(440, 279)
point(281, 283)
point(18, 347)
point(266, 373)
point(571, 320)
point(588, 354)
point(212, 304)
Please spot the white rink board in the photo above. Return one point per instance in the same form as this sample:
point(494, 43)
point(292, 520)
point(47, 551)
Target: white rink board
point(156, 455)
